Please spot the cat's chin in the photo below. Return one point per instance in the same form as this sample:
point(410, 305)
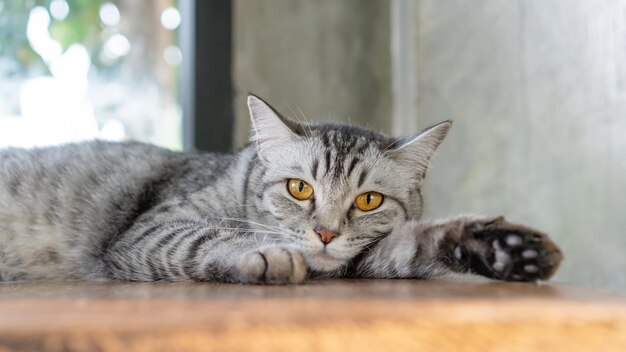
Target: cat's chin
point(323, 262)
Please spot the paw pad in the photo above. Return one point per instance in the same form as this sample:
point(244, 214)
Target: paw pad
point(529, 254)
point(513, 240)
point(498, 266)
point(530, 268)
point(458, 254)
point(506, 251)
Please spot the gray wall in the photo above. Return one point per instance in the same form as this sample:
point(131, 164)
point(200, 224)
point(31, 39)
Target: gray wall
point(537, 90)
point(328, 59)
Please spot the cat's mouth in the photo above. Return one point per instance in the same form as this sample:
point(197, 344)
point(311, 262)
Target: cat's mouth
point(323, 261)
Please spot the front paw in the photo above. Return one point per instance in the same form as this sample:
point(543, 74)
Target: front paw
point(497, 249)
point(272, 265)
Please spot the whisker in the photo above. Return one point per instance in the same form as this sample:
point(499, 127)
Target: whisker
point(246, 221)
point(243, 230)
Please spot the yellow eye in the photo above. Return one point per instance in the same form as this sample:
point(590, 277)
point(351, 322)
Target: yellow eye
point(369, 201)
point(299, 189)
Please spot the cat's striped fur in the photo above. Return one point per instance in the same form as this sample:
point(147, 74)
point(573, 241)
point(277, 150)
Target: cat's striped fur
point(130, 211)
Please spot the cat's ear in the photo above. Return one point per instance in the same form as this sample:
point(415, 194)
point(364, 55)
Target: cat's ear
point(271, 130)
point(418, 148)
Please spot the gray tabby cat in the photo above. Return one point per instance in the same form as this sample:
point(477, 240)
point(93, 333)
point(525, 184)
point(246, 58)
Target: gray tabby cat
point(302, 200)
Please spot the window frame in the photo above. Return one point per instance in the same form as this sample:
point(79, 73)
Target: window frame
point(206, 87)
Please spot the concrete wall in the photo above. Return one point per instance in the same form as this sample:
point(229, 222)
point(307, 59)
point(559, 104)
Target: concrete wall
point(326, 59)
point(537, 89)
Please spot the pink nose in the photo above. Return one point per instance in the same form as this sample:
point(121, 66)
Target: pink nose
point(326, 236)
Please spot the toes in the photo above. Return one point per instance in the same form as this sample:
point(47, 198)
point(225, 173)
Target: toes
point(298, 274)
point(279, 265)
point(533, 257)
point(513, 240)
point(458, 253)
point(498, 266)
point(502, 258)
point(515, 252)
point(273, 265)
point(531, 268)
point(252, 267)
point(548, 261)
point(286, 266)
point(529, 254)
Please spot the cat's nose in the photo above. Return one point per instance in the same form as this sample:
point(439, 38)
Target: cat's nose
point(325, 235)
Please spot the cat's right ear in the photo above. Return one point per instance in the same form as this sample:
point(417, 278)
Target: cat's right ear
point(271, 131)
point(418, 148)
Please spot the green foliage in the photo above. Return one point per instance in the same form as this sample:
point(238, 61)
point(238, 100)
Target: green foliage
point(13, 41)
point(82, 25)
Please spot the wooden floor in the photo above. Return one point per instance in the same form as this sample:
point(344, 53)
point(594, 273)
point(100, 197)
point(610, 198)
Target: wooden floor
point(321, 315)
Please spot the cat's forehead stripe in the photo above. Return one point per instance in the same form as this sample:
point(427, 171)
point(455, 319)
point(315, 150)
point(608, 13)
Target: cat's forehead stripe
point(362, 178)
point(351, 167)
point(344, 148)
point(327, 161)
point(345, 131)
point(314, 169)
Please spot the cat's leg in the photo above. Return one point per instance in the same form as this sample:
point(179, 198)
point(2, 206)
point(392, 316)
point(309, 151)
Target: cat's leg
point(487, 246)
point(201, 251)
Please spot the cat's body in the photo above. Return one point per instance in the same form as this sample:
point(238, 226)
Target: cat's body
point(130, 211)
point(62, 208)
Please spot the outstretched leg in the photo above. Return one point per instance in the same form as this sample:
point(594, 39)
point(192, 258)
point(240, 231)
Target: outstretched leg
point(487, 246)
point(186, 250)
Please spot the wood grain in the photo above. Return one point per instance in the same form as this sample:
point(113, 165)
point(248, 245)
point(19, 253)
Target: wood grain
point(344, 315)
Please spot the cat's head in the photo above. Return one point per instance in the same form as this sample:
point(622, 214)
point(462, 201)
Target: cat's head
point(335, 189)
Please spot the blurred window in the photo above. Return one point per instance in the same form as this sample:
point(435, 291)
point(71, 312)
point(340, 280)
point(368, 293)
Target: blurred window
point(73, 70)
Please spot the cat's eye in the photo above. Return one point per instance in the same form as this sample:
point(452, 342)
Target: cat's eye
point(299, 189)
point(369, 201)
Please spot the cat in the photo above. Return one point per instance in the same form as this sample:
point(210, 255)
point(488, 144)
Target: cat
point(300, 201)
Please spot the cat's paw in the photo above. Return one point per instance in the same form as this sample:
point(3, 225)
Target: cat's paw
point(272, 265)
point(497, 249)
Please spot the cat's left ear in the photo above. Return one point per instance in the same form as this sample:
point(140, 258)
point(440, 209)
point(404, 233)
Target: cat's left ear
point(271, 130)
point(418, 148)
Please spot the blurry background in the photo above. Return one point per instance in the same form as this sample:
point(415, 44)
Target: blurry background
point(80, 69)
point(537, 90)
